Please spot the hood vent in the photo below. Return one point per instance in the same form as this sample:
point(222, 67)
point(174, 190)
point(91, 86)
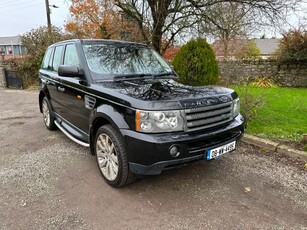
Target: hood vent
point(89, 102)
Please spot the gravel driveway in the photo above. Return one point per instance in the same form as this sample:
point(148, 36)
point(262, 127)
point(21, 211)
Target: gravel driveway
point(49, 182)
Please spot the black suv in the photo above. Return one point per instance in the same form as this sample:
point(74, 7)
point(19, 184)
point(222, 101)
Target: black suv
point(121, 100)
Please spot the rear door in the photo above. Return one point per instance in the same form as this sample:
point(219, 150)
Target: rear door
point(49, 77)
point(55, 86)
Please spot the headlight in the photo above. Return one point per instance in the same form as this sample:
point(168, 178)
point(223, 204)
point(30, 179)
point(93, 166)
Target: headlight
point(236, 107)
point(158, 121)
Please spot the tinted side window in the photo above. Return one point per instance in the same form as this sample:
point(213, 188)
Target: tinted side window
point(57, 58)
point(45, 64)
point(71, 57)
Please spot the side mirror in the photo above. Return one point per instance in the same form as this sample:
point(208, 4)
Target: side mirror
point(70, 71)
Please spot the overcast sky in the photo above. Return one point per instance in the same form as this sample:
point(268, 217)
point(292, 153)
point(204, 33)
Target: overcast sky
point(20, 16)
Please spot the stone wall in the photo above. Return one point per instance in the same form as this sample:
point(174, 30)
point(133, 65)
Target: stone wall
point(285, 75)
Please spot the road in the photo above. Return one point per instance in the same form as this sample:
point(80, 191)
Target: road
point(49, 182)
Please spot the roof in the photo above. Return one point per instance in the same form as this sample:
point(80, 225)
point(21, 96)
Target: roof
point(13, 40)
point(106, 41)
point(234, 47)
point(267, 46)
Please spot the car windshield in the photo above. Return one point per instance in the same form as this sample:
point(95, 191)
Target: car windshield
point(124, 60)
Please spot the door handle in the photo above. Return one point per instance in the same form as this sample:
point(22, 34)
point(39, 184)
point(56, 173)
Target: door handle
point(61, 89)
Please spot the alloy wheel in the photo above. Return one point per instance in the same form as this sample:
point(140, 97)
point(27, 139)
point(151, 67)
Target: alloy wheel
point(107, 157)
point(46, 113)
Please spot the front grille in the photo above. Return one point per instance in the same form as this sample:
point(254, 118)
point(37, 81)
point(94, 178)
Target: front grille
point(208, 117)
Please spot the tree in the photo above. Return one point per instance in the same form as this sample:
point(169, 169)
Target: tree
point(196, 64)
point(293, 46)
point(100, 19)
point(227, 22)
point(159, 22)
point(36, 42)
point(249, 51)
point(171, 52)
point(165, 19)
point(92, 19)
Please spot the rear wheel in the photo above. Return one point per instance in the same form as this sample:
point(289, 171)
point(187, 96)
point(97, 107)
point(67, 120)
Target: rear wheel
point(47, 115)
point(111, 157)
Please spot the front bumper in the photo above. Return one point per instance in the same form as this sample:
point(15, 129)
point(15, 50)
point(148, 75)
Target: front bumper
point(149, 154)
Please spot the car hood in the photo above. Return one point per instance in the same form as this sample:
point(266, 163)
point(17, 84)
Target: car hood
point(165, 91)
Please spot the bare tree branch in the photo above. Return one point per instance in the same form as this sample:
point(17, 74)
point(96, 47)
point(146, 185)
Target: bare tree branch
point(167, 19)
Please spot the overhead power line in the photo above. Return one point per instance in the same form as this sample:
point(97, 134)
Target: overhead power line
point(17, 3)
point(3, 11)
point(23, 2)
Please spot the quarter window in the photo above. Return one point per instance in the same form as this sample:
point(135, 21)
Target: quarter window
point(71, 57)
point(46, 60)
point(57, 58)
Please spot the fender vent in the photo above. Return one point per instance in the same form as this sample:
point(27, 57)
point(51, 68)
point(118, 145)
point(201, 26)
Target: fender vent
point(89, 102)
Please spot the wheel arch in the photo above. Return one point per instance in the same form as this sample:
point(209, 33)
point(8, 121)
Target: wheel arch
point(40, 99)
point(42, 93)
point(106, 114)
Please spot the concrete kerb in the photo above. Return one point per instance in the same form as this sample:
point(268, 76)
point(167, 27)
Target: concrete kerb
point(276, 147)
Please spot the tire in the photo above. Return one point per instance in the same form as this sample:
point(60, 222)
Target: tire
point(48, 115)
point(111, 157)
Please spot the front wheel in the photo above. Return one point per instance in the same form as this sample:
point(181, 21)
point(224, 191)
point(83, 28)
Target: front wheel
point(111, 157)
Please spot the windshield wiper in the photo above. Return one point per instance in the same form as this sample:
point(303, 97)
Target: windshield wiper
point(165, 74)
point(131, 76)
point(143, 76)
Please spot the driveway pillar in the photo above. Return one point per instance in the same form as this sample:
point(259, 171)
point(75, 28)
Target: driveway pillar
point(2, 77)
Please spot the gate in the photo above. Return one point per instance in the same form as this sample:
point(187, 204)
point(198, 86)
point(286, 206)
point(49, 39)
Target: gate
point(13, 79)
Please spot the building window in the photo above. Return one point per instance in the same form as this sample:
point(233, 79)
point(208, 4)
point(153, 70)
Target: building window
point(2, 50)
point(9, 50)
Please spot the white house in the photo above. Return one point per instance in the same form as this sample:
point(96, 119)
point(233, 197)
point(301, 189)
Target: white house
point(11, 46)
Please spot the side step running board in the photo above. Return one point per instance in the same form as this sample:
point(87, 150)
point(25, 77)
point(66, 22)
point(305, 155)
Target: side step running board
point(70, 136)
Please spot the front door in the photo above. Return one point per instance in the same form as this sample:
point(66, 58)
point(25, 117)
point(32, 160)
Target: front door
point(73, 91)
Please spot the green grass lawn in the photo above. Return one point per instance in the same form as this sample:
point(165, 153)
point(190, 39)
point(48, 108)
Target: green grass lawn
point(279, 114)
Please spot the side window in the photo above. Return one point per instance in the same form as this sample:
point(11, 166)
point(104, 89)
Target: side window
point(45, 64)
point(57, 58)
point(71, 57)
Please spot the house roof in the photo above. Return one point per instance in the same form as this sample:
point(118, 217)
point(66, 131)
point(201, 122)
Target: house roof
point(234, 47)
point(13, 40)
point(267, 46)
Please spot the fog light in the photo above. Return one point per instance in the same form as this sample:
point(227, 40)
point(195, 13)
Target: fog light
point(174, 151)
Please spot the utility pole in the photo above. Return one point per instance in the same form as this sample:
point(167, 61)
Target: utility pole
point(48, 14)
